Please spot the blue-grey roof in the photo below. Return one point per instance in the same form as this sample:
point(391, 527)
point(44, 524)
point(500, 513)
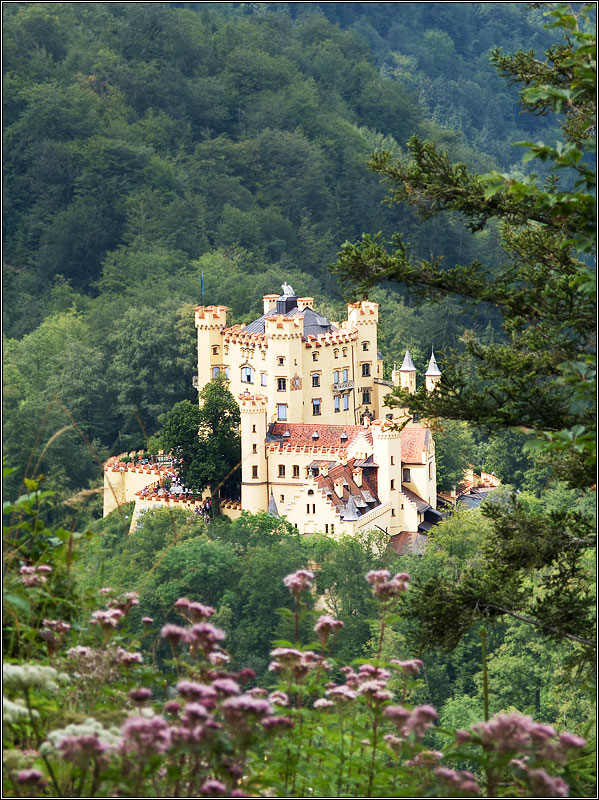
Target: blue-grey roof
point(314, 324)
point(408, 364)
point(351, 513)
point(272, 510)
point(433, 369)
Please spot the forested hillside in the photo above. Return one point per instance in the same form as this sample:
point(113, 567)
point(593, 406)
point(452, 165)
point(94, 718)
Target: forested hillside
point(162, 155)
point(146, 144)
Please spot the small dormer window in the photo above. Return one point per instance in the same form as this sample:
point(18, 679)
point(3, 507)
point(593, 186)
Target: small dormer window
point(316, 435)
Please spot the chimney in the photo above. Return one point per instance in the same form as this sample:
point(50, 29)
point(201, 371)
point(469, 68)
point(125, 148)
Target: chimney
point(324, 471)
point(357, 476)
point(270, 302)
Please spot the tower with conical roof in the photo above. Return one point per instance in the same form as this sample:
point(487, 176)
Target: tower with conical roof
point(407, 374)
point(433, 374)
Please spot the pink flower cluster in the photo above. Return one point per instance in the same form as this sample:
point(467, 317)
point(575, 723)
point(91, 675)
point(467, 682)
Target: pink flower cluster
point(326, 625)
point(298, 582)
point(415, 722)
point(410, 667)
point(193, 612)
point(516, 733)
point(462, 781)
point(384, 587)
point(35, 576)
point(144, 736)
point(56, 625)
point(125, 603)
point(107, 619)
point(128, 659)
point(31, 777)
point(297, 662)
point(541, 783)
point(81, 749)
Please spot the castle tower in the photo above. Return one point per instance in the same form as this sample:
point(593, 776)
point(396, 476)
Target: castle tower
point(386, 441)
point(408, 374)
point(254, 470)
point(210, 321)
point(433, 374)
point(364, 317)
point(284, 367)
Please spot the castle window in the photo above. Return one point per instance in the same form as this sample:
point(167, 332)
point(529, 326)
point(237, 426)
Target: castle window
point(314, 356)
point(296, 471)
point(316, 379)
point(344, 352)
point(215, 372)
point(254, 472)
point(281, 470)
point(336, 376)
point(392, 484)
point(393, 512)
point(282, 498)
point(215, 350)
point(281, 385)
point(366, 397)
point(430, 470)
point(406, 476)
point(346, 402)
point(253, 429)
point(280, 361)
point(254, 448)
point(316, 407)
point(282, 411)
point(415, 417)
point(337, 403)
point(326, 527)
point(336, 353)
point(247, 375)
point(365, 345)
point(227, 371)
point(263, 378)
point(365, 370)
point(307, 508)
point(310, 492)
point(344, 375)
point(226, 349)
point(313, 508)
point(392, 460)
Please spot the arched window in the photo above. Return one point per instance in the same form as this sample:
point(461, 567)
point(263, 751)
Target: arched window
point(247, 375)
point(215, 372)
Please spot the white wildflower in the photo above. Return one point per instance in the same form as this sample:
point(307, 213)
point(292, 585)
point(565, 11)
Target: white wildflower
point(15, 711)
point(31, 676)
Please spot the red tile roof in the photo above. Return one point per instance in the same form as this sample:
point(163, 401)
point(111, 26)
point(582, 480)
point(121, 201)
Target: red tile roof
point(413, 442)
point(339, 474)
point(328, 435)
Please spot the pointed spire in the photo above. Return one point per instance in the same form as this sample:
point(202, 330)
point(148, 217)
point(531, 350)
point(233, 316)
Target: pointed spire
point(351, 510)
point(433, 369)
point(408, 364)
point(272, 510)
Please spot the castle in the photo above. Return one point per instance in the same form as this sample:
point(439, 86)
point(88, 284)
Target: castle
point(318, 444)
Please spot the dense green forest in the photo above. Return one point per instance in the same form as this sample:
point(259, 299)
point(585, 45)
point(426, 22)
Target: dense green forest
point(146, 144)
point(155, 150)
